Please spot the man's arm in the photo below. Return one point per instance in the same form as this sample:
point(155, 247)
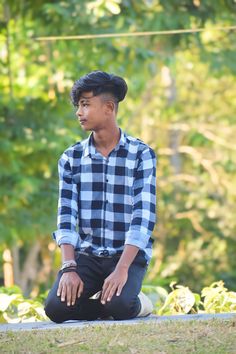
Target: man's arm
point(144, 208)
point(141, 227)
point(70, 285)
point(116, 280)
point(67, 205)
point(67, 252)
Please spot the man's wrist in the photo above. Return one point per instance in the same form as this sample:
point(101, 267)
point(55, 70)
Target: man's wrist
point(128, 255)
point(68, 252)
point(68, 264)
point(122, 267)
point(69, 270)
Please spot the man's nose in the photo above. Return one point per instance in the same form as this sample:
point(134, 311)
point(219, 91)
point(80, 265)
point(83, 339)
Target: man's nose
point(78, 112)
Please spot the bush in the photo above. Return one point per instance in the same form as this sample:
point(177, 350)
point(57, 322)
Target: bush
point(14, 308)
point(181, 300)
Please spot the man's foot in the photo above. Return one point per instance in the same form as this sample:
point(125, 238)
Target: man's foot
point(146, 305)
point(96, 296)
point(108, 318)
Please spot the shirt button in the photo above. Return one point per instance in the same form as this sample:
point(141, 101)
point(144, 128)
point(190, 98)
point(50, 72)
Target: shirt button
point(107, 179)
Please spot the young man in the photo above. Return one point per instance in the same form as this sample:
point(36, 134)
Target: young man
point(106, 212)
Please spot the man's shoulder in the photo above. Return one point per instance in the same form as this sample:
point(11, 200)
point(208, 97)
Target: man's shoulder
point(76, 150)
point(139, 144)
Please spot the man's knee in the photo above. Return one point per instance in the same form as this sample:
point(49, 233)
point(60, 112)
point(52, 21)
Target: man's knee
point(55, 309)
point(122, 308)
point(84, 309)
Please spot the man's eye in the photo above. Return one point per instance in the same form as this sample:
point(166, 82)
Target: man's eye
point(85, 104)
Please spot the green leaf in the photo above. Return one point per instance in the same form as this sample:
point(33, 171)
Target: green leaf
point(113, 7)
point(24, 308)
point(7, 300)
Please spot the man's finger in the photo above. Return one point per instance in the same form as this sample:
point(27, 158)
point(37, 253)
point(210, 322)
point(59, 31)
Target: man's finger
point(111, 292)
point(120, 287)
point(73, 294)
point(68, 294)
point(105, 292)
point(80, 289)
point(63, 293)
point(59, 289)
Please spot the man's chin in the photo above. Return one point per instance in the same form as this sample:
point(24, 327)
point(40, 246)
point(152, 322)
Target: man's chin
point(86, 128)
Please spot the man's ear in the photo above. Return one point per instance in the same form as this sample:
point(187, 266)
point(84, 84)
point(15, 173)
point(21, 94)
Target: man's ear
point(110, 106)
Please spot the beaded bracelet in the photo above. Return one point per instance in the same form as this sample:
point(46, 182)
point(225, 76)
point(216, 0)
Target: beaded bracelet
point(68, 270)
point(67, 264)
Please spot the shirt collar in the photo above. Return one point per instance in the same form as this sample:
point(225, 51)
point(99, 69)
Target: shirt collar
point(86, 149)
point(90, 150)
point(122, 138)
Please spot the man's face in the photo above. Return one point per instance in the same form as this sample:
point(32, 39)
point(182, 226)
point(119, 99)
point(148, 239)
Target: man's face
point(92, 111)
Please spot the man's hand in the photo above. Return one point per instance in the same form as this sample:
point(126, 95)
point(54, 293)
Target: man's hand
point(70, 287)
point(114, 283)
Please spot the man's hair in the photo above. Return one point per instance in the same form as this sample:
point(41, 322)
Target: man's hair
point(99, 82)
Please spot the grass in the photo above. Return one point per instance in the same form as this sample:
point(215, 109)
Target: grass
point(212, 336)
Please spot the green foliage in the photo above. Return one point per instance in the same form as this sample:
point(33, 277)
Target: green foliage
point(193, 131)
point(157, 294)
point(29, 156)
point(14, 308)
point(217, 298)
point(181, 300)
point(181, 101)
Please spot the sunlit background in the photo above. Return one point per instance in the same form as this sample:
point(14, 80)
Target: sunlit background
point(181, 101)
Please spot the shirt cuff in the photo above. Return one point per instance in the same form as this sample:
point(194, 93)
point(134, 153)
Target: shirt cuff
point(66, 236)
point(137, 238)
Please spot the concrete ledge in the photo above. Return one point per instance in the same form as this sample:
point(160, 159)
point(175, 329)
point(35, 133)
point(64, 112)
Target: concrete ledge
point(75, 324)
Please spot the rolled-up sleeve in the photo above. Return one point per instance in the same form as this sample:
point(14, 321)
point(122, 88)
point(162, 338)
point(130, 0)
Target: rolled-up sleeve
point(67, 205)
point(144, 204)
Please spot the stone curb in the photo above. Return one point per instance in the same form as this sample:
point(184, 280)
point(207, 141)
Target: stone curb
point(80, 324)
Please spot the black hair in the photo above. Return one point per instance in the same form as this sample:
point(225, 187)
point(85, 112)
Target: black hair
point(99, 82)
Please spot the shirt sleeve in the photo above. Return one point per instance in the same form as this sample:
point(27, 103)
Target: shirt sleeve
point(67, 205)
point(144, 207)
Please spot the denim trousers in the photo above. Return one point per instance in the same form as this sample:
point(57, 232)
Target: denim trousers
point(93, 270)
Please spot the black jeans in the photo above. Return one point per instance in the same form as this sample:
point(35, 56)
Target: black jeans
point(93, 271)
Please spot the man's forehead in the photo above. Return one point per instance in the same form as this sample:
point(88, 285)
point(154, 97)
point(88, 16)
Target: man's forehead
point(86, 96)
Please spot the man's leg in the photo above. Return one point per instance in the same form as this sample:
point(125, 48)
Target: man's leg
point(89, 270)
point(128, 305)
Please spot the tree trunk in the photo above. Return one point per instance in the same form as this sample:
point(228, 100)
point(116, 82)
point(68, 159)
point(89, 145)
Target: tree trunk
point(8, 268)
point(16, 264)
point(30, 267)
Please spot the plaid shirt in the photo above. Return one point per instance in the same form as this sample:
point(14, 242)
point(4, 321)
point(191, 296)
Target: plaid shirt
point(105, 203)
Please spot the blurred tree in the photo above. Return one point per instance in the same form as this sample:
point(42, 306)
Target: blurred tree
point(192, 126)
point(166, 77)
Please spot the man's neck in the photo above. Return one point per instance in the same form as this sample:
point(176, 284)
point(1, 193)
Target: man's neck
point(105, 140)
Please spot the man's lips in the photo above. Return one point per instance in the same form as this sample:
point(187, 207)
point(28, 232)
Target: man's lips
point(82, 121)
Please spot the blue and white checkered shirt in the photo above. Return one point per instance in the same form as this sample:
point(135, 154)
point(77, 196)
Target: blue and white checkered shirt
point(105, 203)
